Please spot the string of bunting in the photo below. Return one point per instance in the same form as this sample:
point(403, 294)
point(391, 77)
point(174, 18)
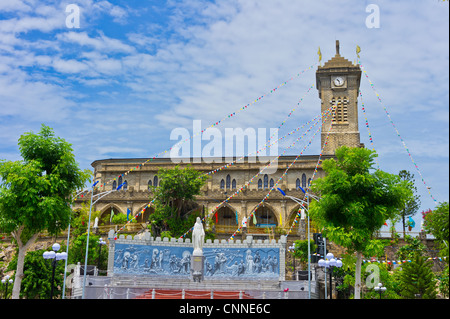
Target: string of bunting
point(328, 112)
point(367, 126)
point(394, 262)
point(396, 130)
point(268, 144)
point(262, 170)
point(214, 171)
point(389, 262)
point(231, 115)
point(295, 221)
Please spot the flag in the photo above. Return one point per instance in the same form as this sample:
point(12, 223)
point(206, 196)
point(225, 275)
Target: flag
point(128, 214)
point(358, 49)
point(320, 55)
point(254, 219)
point(412, 223)
point(237, 220)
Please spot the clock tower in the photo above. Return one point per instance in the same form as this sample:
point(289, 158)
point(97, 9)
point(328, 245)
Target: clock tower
point(338, 83)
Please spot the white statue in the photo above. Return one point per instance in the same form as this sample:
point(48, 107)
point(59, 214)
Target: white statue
point(198, 238)
point(244, 222)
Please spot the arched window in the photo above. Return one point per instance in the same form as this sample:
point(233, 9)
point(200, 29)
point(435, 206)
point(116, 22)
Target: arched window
point(271, 183)
point(149, 184)
point(304, 180)
point(155, 181)
point(125, 186)
point(260, 184)
point(114, 185)
point(266, 181)
point(120, 180)
point(297, 183)
point(309, 182)
point(228, 181)
point(222, 184)
point(233, 184)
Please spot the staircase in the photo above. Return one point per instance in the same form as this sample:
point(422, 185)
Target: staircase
point(184, 288)
point(192, 294)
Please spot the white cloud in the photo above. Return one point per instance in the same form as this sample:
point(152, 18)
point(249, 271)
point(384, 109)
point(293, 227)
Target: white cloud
point(147, 70)
point(101, 43)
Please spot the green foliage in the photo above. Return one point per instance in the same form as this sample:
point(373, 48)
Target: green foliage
point(355, 202)
point(301, 250)
point(77, 251)
point(414, 246)
point(444, 282)
point(388, 280)
point(36, 283)
point(436, 223)
point(417, 280)
point(80, 218)
point(119, 219)
point(35, 193)
point(174, 198)
point(412, 204)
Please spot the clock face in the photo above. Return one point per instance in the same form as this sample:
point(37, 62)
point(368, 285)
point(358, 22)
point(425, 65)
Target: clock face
point(339, 81)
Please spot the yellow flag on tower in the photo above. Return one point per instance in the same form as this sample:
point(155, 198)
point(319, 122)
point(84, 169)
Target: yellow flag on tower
point(358, 49)
point(320, 55)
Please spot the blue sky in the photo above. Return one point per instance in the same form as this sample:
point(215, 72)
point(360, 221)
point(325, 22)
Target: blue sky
point(135, 70)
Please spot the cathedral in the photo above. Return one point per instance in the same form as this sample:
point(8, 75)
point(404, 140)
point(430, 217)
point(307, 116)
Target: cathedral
point(337, 82)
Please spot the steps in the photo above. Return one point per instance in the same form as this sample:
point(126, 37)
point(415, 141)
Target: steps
point(192, 294)
point(178, 284)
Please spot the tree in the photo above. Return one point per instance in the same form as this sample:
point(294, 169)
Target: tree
point(417, 279)
point(36, 283)
point(436, 223)
point(174, 196)
point(413, 203)
point(356, 202)
point(301, 250)
point(36, 193)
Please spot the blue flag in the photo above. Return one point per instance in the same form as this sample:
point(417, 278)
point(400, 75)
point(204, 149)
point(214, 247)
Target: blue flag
point(412, 223)
point(128, 214)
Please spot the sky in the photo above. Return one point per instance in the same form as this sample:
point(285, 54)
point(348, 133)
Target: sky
point(118, 83)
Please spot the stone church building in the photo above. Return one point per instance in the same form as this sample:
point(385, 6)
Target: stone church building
point(337, 82)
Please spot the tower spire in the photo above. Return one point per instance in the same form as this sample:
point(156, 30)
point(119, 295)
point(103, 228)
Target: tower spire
point(337, 47)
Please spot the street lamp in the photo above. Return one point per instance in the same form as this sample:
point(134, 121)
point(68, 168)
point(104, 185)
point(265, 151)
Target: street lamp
point(67, 249)
point(6, 281)
point(100, 196)
point(302, 204)
point(101, 242)
point(55, 257)
point(331, 263)
point(291, 249)
point(380, 289)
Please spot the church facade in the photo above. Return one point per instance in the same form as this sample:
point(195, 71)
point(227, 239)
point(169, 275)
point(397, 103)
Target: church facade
point(338, 83)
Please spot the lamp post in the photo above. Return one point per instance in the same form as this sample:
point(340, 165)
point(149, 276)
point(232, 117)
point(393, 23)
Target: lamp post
point(291, 249)
point(6, 281)
point(100, 196)
point(380, 289)
point(302, 204)
point(55, 257)
point(101, 242)
point(67, 250)
point(331, 263)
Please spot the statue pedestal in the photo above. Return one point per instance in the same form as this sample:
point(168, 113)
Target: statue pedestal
point(197, 267)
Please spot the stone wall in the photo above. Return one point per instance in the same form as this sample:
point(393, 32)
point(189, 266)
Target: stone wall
point(147, 256)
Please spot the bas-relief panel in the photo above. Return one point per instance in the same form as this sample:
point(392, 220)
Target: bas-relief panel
point(176, 261)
